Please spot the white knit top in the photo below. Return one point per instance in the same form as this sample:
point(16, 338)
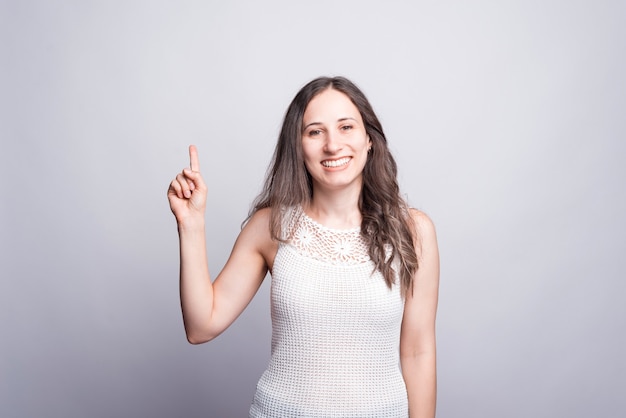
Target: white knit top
point(335, 330)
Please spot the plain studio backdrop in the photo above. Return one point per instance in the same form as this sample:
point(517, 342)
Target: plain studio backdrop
point(507, 119)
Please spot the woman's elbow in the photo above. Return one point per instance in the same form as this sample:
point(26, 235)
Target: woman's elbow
point(196, 338)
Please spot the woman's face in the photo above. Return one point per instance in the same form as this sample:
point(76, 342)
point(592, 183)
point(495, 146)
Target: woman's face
point(334, 142)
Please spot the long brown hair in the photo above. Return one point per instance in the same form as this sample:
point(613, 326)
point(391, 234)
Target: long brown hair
point(386, 221)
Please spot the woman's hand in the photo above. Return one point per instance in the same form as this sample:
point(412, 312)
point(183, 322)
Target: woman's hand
point(187, 192)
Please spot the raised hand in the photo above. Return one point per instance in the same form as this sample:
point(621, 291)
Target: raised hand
point(187, 192)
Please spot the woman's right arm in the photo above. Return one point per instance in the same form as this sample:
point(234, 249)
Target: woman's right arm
point(209, 308)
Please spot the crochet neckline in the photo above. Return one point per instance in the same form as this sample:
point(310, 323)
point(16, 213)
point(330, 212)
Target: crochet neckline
point(333, 246)
point(327, 228)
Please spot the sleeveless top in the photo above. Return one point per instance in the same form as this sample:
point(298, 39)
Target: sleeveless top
point(335, 329)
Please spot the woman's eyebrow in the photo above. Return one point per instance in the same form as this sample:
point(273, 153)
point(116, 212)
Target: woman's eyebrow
point(311, 124)
point(338, 120)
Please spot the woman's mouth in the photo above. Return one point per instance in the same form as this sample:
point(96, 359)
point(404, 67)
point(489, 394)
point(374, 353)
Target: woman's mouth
point(336, 163)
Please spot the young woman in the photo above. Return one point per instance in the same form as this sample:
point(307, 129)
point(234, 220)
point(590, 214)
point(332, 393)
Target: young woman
point(354, 271)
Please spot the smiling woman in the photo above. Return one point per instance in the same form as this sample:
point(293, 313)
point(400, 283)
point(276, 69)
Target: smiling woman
point(334, 143)
point(355, 271)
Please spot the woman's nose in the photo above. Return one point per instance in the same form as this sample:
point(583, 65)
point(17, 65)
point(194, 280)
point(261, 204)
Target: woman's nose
point(333, 143)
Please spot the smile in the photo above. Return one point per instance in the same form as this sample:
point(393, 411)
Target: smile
point(336, 163)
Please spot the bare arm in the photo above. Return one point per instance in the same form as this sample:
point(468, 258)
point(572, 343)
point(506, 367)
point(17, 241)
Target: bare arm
point(417, 340)
point(209, 308)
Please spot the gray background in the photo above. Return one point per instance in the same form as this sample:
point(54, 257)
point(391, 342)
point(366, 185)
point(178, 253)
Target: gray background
point(507, 121)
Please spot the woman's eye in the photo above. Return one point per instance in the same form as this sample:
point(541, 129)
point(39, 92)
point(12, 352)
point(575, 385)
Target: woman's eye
point(346, 127)
point(315, 132)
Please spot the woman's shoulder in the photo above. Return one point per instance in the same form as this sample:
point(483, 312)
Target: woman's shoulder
point(421, 219)
point(424, 226)
point(276, 224)
point(256, 234)
point(424, 229)
point(260, 213)
point(257, 226)
point(259, 220)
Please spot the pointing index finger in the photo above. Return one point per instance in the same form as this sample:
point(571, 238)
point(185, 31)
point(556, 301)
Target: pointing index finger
point(194, 162)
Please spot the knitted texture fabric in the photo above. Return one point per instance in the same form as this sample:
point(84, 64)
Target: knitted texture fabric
point(335, 329)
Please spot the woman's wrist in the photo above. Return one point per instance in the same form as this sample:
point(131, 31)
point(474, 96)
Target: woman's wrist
point(190, 225)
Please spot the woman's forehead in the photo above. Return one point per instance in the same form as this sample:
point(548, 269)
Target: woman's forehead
point(330, 106)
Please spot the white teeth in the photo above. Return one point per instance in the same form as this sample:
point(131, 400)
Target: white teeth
point(336, 163)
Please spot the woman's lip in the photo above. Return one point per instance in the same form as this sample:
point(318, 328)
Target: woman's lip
point(336, 162)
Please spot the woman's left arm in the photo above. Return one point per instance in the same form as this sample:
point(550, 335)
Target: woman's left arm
point(417, 339)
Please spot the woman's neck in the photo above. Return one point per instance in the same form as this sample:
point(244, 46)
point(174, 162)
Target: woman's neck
point(339, 209)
